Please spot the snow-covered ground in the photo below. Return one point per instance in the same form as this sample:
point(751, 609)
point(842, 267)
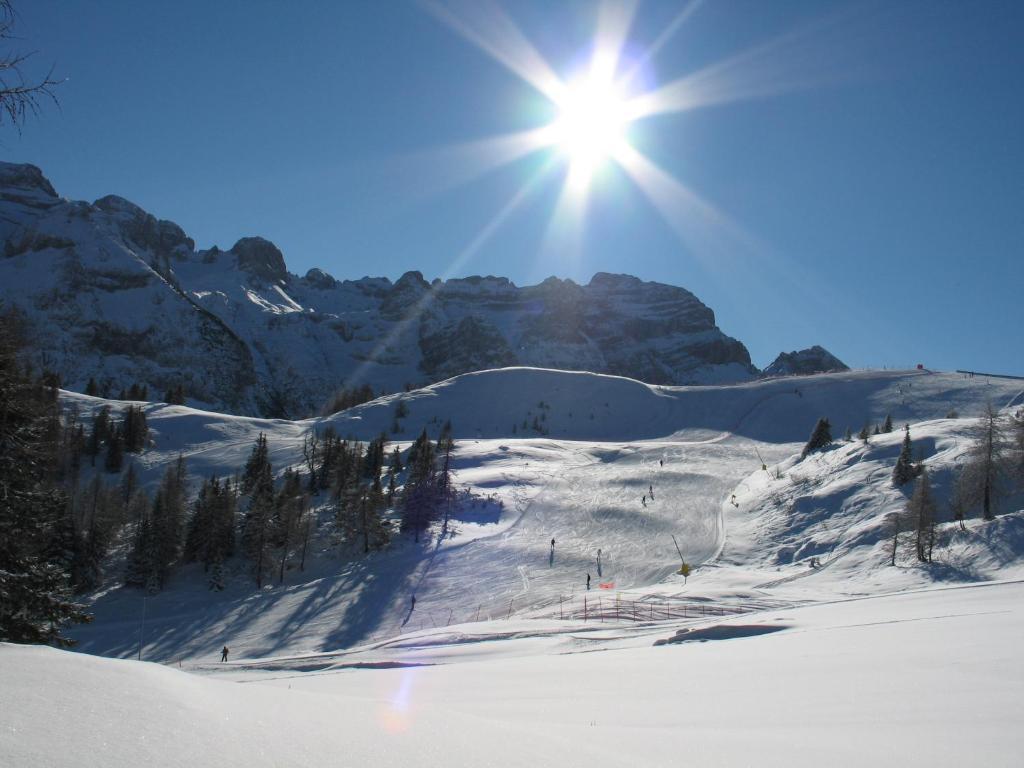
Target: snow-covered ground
point(581, 484)
point(920, 678)
point(847, 662)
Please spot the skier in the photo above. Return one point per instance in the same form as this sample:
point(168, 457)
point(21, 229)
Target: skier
point(598, 555)
point(552, 544)
point(651, 489)
point(588, 581)
point(643, 500)
point(223, 654)
point(661, 462)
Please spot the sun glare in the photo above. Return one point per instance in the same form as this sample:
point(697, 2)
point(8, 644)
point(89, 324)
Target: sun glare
point(591, 125)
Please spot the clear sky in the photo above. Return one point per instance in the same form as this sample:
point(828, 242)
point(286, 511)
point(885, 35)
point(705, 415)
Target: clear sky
point(851, 174)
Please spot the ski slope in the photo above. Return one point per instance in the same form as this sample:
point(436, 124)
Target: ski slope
point(581, 484)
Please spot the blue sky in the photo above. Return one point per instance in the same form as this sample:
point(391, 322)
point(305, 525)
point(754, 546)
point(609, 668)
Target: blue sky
point(871, 188)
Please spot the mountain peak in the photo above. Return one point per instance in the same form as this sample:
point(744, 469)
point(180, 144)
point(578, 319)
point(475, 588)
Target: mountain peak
point(260, 258)
point(25, 176)
point(814, 359)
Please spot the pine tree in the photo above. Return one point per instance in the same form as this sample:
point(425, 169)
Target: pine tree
point(92, 388)
point(257, 467)
point(115, 451)
point(135, 429)
point(445, 446)
point(35, 590)
point(129, 483)
point(99, 434)
point(419, 496)
point(258, 483)
point(160, 532)
point(887, 425)
point(820, 438)
point(289, 509)
point(904, 471)
point(864, 434)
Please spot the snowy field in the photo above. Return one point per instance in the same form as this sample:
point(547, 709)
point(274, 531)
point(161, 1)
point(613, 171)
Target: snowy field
point(762, 657)
point(920, 678)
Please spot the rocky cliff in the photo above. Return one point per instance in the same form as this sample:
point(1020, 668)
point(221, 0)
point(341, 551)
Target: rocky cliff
point(115, 294)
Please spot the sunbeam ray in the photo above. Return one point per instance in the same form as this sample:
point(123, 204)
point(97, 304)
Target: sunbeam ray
point(442, 168)
point(800, 59)
point(563, 235)
point(614, 19)
point(467, 253)
point(486, 25)
point(667, 34)
point(709, 234)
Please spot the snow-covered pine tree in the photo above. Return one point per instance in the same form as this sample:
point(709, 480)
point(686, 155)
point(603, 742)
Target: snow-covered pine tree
point(887, 424)
point(820, 438)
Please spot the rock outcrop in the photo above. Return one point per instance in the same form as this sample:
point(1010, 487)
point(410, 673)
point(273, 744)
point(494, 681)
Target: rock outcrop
point(814, 359)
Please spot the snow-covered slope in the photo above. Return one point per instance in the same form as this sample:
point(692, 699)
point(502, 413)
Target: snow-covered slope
point(837, 506)
point(609, 442)
point(929, 678)
point(115, 294)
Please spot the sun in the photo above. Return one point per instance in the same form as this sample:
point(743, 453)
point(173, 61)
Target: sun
point(591, 124)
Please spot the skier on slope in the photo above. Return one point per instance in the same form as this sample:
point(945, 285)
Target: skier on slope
point(651, 489)
point(588, 581)
point(552, 543)
point(223, 654)
point(643, 500)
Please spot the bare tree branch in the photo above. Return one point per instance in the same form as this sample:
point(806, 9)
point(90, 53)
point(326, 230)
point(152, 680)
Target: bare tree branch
point(20, 96)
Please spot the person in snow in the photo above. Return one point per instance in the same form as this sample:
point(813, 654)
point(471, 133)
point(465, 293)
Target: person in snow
point(651, 489)
point(661, 462)
point(643, 500)
point(598, 555)
point(552, 543)
point(588, 581)
point(223, 654)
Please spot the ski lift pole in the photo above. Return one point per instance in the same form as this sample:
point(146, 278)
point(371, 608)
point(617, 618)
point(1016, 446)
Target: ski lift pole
point(681, 558)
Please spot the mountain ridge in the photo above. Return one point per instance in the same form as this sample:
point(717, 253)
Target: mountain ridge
point(114, 294)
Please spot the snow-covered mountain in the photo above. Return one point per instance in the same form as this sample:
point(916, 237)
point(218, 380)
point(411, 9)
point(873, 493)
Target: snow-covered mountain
point(814, 359)
point(115, 294)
